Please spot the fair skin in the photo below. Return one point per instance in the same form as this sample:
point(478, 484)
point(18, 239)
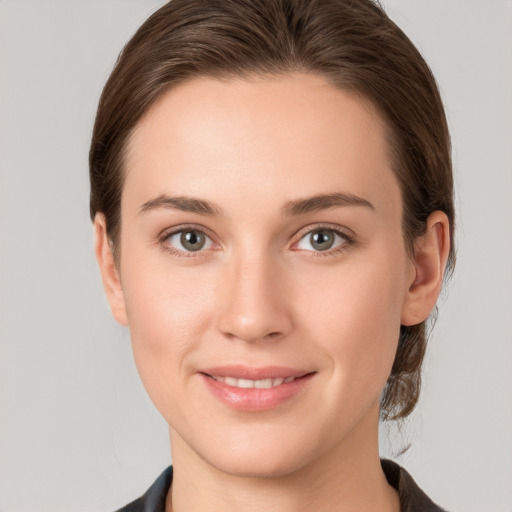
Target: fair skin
point(257, 291)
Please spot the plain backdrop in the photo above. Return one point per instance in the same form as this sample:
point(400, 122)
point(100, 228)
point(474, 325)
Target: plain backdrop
point(77, 431)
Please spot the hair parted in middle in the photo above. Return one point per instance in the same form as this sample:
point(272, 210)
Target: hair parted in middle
point(352, 44)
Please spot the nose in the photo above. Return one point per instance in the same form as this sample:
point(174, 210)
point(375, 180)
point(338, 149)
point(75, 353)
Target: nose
point(255, 304)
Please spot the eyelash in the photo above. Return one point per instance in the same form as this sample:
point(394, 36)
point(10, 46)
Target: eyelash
point(349, 240)
point(180, 229)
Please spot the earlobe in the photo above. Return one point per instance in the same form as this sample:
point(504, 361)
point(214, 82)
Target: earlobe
point(430, 257)
point(109, 272)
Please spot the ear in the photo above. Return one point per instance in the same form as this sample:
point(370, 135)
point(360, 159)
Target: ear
point(109, 272)
point(430, 256)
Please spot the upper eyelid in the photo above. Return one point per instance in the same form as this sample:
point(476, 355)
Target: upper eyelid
point(166, 233)
point(347, 233)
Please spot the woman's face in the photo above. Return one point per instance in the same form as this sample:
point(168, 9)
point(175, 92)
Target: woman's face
point(261, 240)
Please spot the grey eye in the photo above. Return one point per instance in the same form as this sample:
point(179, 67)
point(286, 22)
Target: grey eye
point(321, 240)
point(190, 240)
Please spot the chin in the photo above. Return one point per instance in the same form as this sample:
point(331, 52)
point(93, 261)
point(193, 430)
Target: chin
point(263, 456)
point(258, 466)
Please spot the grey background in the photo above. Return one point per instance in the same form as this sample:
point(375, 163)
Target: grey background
point(77, 431)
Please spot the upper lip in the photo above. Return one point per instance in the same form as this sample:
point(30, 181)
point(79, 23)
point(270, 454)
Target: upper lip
point(254, 373)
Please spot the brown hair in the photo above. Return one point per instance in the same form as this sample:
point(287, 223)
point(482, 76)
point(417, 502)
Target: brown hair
point(352, 43)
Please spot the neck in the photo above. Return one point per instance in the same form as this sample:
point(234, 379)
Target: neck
point(348, 478)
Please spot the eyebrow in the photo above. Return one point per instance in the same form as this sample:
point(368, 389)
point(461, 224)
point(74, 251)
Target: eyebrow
point(183, 203)
point(323, 202)
point(291, 208)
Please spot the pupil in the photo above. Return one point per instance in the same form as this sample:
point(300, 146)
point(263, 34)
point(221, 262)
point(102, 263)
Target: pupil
point(192, 240)
point(322, 240)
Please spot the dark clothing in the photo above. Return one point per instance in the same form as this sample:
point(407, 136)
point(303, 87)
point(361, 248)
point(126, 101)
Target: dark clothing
point(153, 500)
point(412, 498)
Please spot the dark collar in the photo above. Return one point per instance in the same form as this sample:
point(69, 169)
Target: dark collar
point(412, 498)
point(153, 500)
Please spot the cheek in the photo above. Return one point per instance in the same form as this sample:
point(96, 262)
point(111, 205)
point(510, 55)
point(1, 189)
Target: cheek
point(356, 315)
point(168, 309)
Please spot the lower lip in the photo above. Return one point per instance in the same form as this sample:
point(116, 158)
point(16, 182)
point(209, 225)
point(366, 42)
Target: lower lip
point(256, 399)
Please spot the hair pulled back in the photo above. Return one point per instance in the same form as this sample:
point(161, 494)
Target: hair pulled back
point(353, 44)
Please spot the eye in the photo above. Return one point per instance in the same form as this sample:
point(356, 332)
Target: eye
point(188, 240)
point(322, 239)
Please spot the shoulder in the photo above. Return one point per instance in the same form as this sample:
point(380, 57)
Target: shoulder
point(412, 498)
point(153, 500)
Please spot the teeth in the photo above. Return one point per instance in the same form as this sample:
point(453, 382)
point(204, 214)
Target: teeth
point(244, 383)
point(264, 383)
point(230, 381)
point(249, 383)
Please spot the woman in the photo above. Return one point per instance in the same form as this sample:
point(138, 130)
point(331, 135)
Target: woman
point(272, 198)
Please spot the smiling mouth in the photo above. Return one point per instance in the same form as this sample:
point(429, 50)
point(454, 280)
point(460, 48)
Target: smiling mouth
point(249, 389)
point(250, 383)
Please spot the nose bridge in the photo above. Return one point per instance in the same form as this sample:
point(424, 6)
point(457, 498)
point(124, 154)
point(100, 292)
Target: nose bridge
point(254, 305)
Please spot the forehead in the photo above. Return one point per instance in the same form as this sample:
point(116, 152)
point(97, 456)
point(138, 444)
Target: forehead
point(272, 136)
